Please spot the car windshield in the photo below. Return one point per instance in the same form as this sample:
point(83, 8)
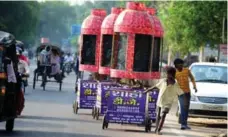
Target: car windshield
point(211, 74)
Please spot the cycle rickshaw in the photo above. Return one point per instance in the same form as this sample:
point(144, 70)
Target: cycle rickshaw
point(44, 68)
point(10, 81)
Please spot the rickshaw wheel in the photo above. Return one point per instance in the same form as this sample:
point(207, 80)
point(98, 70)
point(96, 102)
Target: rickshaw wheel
point(97, 114)
point(34, 81)
point(44, 81)
point(44, 87)
point(60, 86)
point(148, 125)
point(10, 125)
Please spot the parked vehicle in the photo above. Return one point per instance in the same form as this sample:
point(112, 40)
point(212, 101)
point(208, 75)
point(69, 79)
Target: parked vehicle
point(211, 99)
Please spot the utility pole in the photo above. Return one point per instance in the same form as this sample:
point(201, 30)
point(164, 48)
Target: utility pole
point(223, 36)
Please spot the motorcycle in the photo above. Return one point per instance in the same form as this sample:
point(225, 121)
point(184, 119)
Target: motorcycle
point(68, 67)
point(24, 78)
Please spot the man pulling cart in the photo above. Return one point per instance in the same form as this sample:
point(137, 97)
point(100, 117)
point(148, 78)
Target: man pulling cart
point(48, 65)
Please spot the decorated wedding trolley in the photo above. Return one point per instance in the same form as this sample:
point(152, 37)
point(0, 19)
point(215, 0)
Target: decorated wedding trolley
point(126, 44)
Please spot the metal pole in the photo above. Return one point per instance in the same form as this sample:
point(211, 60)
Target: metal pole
point(161, 55)
point(223, 37)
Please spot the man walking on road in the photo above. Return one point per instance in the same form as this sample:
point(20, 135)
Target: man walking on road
point(182, 77)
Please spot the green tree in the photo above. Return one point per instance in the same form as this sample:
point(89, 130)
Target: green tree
point(56, 18)
point(190, 25)
point(20, 18)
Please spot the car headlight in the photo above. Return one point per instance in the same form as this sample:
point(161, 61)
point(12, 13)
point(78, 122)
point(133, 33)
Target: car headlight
point(194, 97)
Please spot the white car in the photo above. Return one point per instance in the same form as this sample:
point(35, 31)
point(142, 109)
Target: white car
point(211, 99)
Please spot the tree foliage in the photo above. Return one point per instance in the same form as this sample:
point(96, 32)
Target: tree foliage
point(56, 18)
point(20, 18)
point(191, 24)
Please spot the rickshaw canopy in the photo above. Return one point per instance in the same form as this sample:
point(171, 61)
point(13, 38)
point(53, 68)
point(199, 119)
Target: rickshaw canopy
point(52, 46)
point(6, 39)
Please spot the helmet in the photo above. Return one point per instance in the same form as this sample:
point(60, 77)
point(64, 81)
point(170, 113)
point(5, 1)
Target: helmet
point(6, 39)
point(20, 45)
point(19, 50)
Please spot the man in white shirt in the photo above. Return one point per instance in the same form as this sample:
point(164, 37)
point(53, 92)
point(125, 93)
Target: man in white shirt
point(45, 56)
point(68, 58)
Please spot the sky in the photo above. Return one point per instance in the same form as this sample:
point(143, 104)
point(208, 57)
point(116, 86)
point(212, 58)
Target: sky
point(72, 2)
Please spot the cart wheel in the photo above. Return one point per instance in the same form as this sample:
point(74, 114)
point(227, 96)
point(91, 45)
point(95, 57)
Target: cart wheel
point(94, 111)
point(10, 125)
point(74, 103)
point(73, 108)
point(44, 81)
point(37, 77)
point(97, 114)
point(76, 107)
point(148, 125)
point(154, 120)
point(60, 86)
point(105, 123)
point(34, 81)
point(44, 87)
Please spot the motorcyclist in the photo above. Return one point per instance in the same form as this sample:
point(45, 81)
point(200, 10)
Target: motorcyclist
point(69, 60)
point(23, 68)
point(21, 56)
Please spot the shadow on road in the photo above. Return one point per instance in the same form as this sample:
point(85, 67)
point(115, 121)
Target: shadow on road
point(85, 114)
point(214, 125)
point(57, 119)
point(128, 130)
point(38, 124)
point(166, 133)
point(204, 124)
point(42, 134)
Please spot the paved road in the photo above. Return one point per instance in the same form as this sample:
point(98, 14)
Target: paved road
point(49, 114)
